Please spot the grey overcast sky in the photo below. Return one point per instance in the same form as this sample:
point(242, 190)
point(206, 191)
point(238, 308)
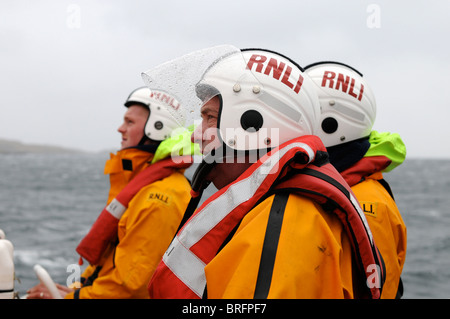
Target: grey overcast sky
point(66, 67)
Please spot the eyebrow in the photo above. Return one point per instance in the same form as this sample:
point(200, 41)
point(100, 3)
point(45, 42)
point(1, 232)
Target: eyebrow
point(208, 109)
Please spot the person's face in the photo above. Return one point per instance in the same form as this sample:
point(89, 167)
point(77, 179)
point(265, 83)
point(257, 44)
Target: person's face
point(206, 134)
point(132, 128)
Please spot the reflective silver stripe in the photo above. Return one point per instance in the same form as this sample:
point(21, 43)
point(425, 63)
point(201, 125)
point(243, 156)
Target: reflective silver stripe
point(203, 222)
point(179, 258)
point(235, 195)
point(349, 112)
point(116, 209)
point(186, 266)
point(280, 106)
point(362, 216)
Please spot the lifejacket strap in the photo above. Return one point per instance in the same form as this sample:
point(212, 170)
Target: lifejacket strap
point(270, 246)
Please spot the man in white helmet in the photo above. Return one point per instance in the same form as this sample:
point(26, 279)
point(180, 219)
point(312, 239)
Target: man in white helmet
point(348, 111)
point(146, 202)
point(278, 227)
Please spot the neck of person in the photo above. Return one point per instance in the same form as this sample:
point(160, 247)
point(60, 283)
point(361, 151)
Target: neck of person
point(224, 173)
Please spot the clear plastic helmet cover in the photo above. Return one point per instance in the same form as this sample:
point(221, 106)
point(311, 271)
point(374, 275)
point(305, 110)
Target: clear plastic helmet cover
point(265, 98)
point(180, 76)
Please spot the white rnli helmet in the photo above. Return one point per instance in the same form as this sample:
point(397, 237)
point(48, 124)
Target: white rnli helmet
point(266, 99)
point(348, 107)
point(160, 123)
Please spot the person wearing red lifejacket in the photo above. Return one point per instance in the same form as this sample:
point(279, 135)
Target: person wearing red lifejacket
point(283, 223)
point(348, 111)
point(147, 198)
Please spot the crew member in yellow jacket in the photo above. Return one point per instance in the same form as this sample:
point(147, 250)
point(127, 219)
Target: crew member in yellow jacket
point(153, 214)
point(275, 228)
point(348, 111)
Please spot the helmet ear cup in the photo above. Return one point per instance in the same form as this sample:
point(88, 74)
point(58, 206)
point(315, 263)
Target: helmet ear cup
point(252, 119)
point(329, 125)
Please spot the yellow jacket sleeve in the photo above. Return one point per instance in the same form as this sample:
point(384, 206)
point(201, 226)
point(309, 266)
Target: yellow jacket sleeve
point(145, 232)
point(388, 229)
point(313, 255)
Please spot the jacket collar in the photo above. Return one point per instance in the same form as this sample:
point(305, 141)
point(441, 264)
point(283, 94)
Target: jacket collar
point(364, 168)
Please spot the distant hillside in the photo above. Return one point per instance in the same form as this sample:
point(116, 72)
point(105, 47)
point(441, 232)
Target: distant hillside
point(14, 147)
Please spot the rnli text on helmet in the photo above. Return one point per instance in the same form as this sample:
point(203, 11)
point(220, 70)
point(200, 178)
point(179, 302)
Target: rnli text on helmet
point(340, 82)
point(166, 99)
point(272, 65)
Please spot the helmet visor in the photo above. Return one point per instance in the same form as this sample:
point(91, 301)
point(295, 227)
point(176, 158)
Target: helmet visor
point(179, 77)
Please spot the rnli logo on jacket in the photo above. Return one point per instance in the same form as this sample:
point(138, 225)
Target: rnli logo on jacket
point(369, 208)
point(280, 71)
point(159, 197)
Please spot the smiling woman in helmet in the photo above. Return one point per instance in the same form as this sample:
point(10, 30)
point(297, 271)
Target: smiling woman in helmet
point(267, 232)
point(147, 198)
point(348, 110)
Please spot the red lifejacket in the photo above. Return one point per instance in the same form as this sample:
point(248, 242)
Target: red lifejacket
point(104, 229)
point(289, 167)
point(326, 186)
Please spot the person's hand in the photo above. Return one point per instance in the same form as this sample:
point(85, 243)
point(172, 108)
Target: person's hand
point(41, 292)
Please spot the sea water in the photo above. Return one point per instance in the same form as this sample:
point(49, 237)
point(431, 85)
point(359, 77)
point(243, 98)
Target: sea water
point(49, 202)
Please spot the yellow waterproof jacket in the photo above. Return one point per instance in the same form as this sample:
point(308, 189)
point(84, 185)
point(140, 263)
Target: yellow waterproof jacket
point(313, 255)
point(387, 226)
point(144, 231)
point(386, 152)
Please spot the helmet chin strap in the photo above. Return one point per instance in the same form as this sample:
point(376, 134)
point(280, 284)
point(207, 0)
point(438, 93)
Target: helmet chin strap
point(199, 182)
point(223, 154)
point(198, 185)
point(143, 140)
